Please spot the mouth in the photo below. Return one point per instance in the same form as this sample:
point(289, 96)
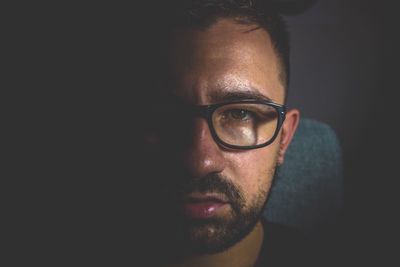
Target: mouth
point(204, 205)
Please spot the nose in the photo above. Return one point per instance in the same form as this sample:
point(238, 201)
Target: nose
point(203, 155)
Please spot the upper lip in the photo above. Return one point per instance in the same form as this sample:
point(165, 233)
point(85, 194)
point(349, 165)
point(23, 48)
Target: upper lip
point(204, 197)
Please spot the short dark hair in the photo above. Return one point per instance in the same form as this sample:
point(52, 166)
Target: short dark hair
point(264, 14)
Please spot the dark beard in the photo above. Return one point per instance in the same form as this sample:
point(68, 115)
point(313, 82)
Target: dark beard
point(216, 234)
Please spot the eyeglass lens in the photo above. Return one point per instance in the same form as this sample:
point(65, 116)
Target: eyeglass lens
point(245, 124)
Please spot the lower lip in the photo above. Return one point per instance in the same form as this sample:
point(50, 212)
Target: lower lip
point(202, 210)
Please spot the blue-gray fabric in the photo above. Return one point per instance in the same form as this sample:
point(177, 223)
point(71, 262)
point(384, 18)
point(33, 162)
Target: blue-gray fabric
point(308, 189)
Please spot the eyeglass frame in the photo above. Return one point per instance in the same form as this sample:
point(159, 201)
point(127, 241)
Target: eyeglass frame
point(206, 112)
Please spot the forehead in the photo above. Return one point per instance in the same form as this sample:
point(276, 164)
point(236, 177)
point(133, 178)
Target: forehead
point(224, 58)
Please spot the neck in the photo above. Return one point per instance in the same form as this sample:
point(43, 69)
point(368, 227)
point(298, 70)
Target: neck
point(242, 254)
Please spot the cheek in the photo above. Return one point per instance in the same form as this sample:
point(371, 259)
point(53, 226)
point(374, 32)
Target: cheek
point(253, 170)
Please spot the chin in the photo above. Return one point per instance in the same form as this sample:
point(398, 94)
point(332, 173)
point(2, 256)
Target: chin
point(217, 235)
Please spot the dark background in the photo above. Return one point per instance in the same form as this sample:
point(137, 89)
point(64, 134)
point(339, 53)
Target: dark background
point(343, 74)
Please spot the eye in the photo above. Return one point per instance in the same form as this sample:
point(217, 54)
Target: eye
point(239, 114)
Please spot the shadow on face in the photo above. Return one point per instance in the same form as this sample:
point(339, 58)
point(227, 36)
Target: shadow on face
point(191, 173)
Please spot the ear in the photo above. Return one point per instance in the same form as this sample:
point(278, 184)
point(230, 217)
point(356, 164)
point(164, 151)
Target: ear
point(288, 129)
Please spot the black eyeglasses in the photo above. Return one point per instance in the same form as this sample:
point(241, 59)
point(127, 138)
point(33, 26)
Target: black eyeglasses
point(246, 124)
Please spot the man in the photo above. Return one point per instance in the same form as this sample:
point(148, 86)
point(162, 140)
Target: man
point(214, 129)
point(215, 132)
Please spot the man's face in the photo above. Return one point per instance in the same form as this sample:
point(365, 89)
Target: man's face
point(221, 192)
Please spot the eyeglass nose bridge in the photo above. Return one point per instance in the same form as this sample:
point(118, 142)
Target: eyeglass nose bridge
point(203, 111)
point(206, 112)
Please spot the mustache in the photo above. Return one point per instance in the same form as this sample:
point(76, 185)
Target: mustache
point(212, 183)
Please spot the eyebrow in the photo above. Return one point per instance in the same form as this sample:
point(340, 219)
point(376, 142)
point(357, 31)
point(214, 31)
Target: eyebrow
point(238, 94)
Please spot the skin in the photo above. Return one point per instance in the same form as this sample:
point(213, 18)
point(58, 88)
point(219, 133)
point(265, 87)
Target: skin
point(207, 66)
